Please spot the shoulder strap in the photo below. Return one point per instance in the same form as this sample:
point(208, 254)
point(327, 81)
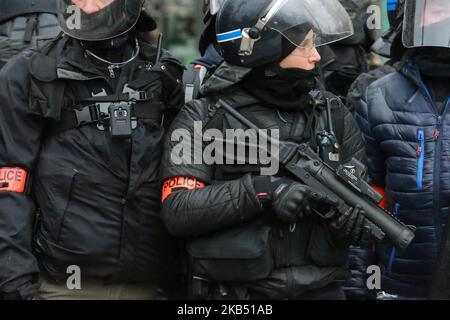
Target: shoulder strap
point(30, 28)
point(191, 82)
point(81, 112)
point(338, 116)
point(325, 100)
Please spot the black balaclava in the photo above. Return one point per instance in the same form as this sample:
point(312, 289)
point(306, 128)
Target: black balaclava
point(282, 88)
point(433, 62)
point(434, 66)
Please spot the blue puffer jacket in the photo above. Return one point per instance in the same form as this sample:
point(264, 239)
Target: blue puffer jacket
point(408, 151)
point(361, 258)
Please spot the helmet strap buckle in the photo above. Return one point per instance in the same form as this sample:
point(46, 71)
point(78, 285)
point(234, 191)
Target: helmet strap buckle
point(249, 38)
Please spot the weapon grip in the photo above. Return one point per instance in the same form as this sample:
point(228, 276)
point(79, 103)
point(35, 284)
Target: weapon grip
point(376, 231)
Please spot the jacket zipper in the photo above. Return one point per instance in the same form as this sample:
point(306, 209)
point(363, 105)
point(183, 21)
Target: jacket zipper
point(70, 191)
point(111, 68)
point(437, 168)
point(437, 150)
point(420, 157)
point(437, 165)
point(394, 250)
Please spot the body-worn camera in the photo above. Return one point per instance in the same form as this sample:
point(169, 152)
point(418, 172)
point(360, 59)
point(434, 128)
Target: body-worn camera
point(121, 119)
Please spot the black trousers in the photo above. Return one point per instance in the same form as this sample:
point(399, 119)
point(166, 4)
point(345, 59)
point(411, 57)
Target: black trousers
point(330, 292)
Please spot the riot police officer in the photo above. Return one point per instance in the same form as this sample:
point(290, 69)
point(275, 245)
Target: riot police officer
point(210, 58)
point(343, 61)
point(82, 121)
point(23, 23)
point(251, 235)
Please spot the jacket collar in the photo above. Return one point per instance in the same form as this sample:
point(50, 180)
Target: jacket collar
point(74, 64)
point(409, 68)
point(224, 77)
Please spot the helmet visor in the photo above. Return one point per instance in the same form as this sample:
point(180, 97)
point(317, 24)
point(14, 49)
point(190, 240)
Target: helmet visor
point(295, 19)
point(214, 6)
point(105, 19)
point(426, 23)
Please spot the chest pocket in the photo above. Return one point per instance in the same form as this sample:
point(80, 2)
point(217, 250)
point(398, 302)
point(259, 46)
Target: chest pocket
point(46, 91)
point(243, 153)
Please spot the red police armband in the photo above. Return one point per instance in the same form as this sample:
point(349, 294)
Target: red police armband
point(180, 183)
point(381, 191)
point(13, 179)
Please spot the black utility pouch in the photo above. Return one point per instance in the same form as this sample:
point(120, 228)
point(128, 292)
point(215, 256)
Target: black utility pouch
point(237, 254)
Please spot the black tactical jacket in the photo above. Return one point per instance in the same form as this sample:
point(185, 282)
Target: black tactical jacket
point(224, 221)
point(98, 197)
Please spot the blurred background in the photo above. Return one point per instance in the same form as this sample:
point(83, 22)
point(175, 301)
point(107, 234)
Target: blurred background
point(181, 23)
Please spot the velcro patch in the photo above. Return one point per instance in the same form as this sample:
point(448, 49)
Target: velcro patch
point(180, 183)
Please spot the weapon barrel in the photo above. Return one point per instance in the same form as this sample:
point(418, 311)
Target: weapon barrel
point(400, 234)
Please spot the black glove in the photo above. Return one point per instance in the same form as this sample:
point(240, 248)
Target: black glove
point(289, 200)
point(356, 227)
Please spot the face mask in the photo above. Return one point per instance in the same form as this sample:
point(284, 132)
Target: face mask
point(433, 62)
point(298, 80)
point(283, 88)
point(438, 55)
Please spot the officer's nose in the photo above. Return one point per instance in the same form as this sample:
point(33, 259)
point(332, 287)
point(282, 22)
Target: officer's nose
point(315, 56)
point(91, 6)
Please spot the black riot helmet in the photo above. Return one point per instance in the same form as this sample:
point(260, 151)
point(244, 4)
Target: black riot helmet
point(113, 19)
point(10, 9)
point(357, 10)
point(250, 32)
point(390, 43)
point(210, 9)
